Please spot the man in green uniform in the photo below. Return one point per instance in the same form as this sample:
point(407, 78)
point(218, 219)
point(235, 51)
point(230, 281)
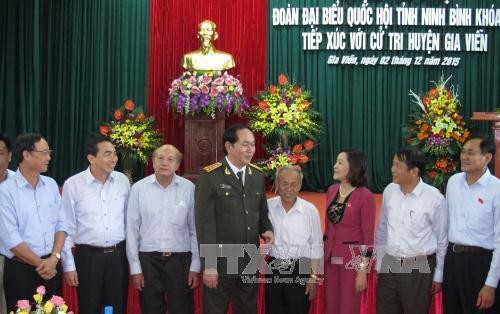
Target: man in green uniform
point(231, 211)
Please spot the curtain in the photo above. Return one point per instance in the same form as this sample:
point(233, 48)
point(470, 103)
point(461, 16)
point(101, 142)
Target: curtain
point(364, 106)
point(65, 65)
point(241, 26)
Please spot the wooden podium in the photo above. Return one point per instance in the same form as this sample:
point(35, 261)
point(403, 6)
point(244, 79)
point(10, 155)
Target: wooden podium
point(202, 142)
point(494, 118)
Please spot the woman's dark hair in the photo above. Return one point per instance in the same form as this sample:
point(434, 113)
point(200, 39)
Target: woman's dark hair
point(358, 167)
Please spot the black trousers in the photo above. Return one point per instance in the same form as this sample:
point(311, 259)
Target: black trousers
point(235, 289)
point(286, 287)
point(406, 287)
point(103, 278)
point(464, 276)
point(21, 281)
point(166, 276)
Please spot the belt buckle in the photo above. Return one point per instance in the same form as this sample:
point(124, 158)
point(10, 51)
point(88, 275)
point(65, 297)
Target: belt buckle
point(109, 249)
point(166, 253)
point(457, 248)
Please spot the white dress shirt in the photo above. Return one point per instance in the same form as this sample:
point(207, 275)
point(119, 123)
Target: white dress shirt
point(413, 224)
point(95, 212)
point(161, 220)
point(9, 174)
point(236, 170)
point(30, 214)
point(297, 233)
point(474, 212)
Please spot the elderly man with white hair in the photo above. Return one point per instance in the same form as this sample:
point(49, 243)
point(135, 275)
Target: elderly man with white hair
point(296, 257)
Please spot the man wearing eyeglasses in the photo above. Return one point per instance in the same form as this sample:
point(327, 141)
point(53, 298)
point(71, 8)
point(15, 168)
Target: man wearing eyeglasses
point(472, 263)
point(95, 201)
point(32, 224)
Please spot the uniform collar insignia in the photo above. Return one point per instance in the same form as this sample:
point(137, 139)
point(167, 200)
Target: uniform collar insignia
point(227, 171)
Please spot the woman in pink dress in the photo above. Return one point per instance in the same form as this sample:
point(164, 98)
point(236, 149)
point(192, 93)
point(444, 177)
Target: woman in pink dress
point(349, 229)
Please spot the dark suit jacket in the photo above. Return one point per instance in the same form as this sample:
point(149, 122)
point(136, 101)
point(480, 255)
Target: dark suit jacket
point(227, 213)
point(356, 227)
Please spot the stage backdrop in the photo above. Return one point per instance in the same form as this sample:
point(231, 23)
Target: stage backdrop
point(365, 106)
point(65, 65)
point(241, 26)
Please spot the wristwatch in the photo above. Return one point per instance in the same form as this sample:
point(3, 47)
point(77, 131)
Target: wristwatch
point(57, 255)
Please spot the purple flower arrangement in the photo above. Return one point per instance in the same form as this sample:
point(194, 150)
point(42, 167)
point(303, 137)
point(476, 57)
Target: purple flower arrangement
point(437, 145)
point(193, 93)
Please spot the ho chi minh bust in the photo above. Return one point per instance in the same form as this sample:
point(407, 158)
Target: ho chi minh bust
point(207, 58)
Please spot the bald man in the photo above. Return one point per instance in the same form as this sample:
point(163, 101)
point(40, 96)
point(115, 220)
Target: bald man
point(161, 238)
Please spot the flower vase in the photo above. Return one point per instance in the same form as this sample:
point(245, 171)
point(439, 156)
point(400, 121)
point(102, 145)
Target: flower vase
point(128, 168)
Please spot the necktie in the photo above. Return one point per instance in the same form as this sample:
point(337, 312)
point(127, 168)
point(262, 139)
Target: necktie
point(240, 177)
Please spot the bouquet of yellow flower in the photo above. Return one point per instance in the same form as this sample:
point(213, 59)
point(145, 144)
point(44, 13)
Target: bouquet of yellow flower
point(279, 157)
point(438, 130)
point(55, 305)
point(132, 133)
point(284, 109)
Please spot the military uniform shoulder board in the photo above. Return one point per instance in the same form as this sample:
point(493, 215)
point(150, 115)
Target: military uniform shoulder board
point(255, 167)
point(212, 167)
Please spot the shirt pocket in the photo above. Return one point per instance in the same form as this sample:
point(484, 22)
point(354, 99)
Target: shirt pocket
point(226, 193)
point(415, 222)
point(481, 216)
point(48, 209)
point(119, 200)
point(180, 214)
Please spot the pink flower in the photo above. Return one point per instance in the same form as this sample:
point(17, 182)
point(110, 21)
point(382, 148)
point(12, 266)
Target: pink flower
point(23, 305)
point(192, 80)
point(176, 83)
point(205, 89)
point(195, 90)
point(230, 80)
point(183, 88)
point(206, 79)
point(222, 89)
point(219, 81)
point(41, 289)
point(57, 300)
point(238, 91)
point(213, 92)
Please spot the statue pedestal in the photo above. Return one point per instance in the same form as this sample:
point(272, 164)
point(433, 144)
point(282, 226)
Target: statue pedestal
point(202, 142)
point(494, 118)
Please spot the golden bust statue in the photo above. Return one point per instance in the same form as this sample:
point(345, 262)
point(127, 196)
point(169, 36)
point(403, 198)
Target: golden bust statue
point(207, 58)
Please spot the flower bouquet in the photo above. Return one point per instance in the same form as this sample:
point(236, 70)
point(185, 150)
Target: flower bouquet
point(279, 157)
point(209, 92)
point(437, 129)
point(285, 118)
point(132, 133)
point(55, 305)
point(284, 109)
